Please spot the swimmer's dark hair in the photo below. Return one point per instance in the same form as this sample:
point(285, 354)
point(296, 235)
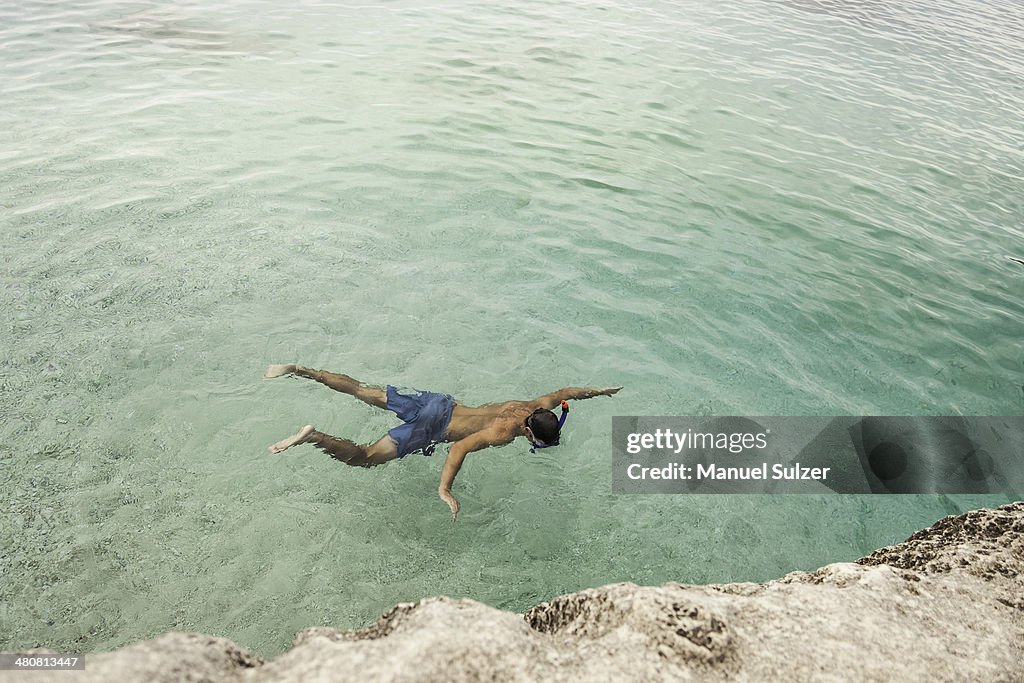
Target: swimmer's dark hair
point(544, 425)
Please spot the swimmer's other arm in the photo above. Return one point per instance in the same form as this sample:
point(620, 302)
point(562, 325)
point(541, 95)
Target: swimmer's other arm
point(457, 453)
point(553, 399)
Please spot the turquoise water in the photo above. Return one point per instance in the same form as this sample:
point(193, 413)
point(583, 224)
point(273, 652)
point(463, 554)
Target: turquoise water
point(752, 208)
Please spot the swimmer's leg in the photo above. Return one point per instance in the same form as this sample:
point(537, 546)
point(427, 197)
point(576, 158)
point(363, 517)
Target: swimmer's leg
point(302, 436)
point(279, 370)
point(344, 450)
point(375, 396)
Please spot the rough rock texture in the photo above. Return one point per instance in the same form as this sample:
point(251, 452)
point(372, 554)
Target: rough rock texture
point(945, 605)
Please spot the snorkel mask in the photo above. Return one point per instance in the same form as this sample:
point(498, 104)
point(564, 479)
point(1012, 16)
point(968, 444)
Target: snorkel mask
point(534, 445)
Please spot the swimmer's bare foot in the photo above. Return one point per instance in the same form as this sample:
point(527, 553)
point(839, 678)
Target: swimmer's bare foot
point(293, 440)
point(279, 370)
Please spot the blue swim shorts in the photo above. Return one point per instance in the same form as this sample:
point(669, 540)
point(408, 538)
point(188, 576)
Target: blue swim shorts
point(426, 416)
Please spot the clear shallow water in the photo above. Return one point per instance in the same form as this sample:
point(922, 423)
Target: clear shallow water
point(755, 208)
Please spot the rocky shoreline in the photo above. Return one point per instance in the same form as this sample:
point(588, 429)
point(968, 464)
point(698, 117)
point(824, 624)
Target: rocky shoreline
point(947, 604)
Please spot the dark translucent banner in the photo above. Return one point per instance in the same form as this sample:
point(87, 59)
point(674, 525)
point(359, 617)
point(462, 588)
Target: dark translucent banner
point(40, 662)
point(678, 454)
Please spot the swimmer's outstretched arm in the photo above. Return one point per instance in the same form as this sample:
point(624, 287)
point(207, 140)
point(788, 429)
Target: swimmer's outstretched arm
point(553, 399)
point(457, 453)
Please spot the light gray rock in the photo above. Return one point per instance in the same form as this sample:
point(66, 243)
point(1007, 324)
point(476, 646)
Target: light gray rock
point(945, 605)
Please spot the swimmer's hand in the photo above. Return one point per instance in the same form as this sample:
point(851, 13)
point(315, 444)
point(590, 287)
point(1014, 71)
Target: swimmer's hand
point(608, 391)
point(446, 496)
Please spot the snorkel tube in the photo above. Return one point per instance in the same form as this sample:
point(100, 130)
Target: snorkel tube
point(561, 421)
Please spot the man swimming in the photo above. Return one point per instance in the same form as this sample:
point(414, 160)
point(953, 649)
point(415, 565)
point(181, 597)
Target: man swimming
point(429, 419)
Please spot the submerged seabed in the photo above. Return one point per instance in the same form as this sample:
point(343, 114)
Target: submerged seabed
point(759, 208)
